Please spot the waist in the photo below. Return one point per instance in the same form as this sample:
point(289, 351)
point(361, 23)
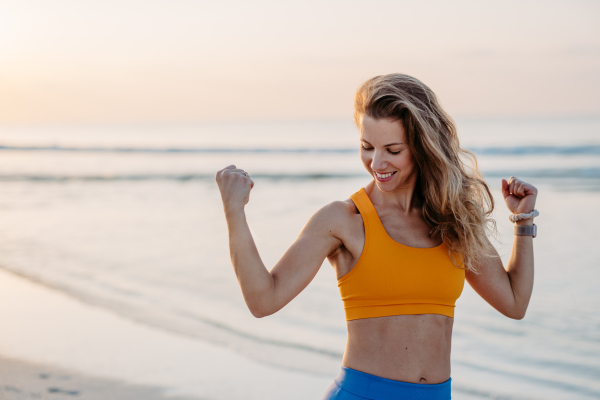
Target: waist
point(375, 387)
point(410, 348)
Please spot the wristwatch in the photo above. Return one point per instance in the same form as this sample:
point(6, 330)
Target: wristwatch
point(526, 230)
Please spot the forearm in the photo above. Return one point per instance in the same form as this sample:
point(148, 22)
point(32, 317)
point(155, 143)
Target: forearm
point(520, 270)
point(255, 280)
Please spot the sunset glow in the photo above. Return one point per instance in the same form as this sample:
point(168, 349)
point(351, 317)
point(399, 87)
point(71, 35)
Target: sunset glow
point(73, 61)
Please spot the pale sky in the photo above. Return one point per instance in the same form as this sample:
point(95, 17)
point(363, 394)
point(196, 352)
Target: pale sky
point(188, 60)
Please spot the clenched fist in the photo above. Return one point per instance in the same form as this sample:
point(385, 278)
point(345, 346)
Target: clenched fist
point(235, 185)
point(519, 196)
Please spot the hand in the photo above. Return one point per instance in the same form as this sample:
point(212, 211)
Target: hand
point(235, 185)
point(519, 196)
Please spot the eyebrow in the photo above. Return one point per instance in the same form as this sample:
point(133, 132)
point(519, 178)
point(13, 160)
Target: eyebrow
point(387, 145)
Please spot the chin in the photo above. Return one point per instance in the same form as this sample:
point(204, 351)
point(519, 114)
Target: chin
point(385, 186)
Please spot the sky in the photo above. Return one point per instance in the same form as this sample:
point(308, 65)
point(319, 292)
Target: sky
point(74, 61)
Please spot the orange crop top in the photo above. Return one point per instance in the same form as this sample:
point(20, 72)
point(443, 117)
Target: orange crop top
point(393, 279)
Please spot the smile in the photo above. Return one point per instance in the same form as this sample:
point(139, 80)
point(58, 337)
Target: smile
point(384, 177)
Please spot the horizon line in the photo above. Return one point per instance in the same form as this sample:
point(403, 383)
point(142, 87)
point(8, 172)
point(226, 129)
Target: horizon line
point(258, 120)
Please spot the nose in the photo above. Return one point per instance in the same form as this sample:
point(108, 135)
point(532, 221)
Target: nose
point(378, 163)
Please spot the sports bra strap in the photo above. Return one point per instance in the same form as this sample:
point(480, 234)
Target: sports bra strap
point(373, 225)
point(365, 208)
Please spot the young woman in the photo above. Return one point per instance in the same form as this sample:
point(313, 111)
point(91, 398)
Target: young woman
point(401, 246)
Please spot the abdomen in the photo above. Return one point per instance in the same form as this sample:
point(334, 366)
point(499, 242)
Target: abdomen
point(408, 348)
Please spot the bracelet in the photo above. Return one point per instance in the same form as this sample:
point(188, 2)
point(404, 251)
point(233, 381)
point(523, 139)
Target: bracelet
point(519, 217)
point(526, 230)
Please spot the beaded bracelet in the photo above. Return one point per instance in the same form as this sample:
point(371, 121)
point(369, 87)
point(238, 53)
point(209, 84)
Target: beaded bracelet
point(519, 217)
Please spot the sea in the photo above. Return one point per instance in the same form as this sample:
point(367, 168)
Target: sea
point(128, 217)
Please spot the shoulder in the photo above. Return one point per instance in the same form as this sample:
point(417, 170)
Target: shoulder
point(338, 209)
point(335, 215)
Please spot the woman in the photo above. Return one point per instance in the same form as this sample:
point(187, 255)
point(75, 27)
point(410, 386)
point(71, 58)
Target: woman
point(401, 246)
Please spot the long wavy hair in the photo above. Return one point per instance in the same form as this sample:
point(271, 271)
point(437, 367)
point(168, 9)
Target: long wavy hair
point(457, 203)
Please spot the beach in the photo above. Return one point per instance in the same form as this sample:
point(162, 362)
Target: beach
point(145, 365)
point(21, 380)
point(115, 268)
point(57, 347)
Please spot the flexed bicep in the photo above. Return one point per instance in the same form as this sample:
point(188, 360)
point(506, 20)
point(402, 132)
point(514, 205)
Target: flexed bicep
point(493, 284)
point(301, 262)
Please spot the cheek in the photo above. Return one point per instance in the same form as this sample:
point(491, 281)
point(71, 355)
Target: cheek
point(406, 162)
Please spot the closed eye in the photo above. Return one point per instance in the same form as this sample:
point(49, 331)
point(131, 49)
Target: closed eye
point(389, 151)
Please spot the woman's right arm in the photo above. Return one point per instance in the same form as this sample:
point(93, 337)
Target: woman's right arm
point(264, 291)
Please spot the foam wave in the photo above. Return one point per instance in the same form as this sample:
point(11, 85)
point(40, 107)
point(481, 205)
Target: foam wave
point(174, 150)
point(169, 177)
point(538, 150)
point(500, 151)
point(586, 173)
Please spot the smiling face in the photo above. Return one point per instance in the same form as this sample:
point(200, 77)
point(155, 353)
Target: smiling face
point(385, 153)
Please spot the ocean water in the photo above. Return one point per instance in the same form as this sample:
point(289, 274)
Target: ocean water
point(130, 218)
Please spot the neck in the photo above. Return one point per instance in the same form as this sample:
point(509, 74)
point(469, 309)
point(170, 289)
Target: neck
point(403, 198)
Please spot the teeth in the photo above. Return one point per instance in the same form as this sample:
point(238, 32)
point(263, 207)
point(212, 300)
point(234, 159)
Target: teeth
point(383, 176)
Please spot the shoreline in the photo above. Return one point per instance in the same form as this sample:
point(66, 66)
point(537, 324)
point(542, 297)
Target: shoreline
point(20, 380)
point(50, 333)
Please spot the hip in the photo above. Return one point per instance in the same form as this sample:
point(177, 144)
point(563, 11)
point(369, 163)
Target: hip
point(351, 384)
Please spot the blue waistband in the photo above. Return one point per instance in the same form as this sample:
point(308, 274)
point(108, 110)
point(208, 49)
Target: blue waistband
point(378, 388)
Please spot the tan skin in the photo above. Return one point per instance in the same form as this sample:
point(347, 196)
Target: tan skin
point(409, 348)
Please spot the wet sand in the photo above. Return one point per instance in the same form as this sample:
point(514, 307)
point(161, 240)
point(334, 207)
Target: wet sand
point(21, 380)
point(53, 346)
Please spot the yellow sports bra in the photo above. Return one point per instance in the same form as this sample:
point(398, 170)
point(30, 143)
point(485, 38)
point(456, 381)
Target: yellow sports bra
point(393, 279)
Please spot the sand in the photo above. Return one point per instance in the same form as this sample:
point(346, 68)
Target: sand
point(53, 346)
point(21, 380)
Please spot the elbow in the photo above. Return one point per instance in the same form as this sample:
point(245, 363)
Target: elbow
point(262, 303)
point(516, 314)
point(519, 316)
point(512, 311)
point(260, 311)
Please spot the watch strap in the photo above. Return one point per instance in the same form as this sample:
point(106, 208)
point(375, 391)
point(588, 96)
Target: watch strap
point(526, 230)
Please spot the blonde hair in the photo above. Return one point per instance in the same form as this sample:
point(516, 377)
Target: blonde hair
point(457, 203)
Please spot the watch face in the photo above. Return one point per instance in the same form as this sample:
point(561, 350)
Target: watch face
point(526, 230)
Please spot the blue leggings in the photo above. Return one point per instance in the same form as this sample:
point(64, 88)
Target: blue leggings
point(355, 385)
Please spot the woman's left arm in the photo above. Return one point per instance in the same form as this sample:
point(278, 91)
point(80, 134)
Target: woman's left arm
point(509, 290)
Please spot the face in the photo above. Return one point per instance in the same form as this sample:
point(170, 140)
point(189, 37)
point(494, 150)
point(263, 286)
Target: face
point(385, 153)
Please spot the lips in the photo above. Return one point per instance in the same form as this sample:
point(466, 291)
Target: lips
point(384, 177)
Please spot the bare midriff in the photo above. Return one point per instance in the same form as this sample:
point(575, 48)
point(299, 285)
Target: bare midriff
point(408, 348)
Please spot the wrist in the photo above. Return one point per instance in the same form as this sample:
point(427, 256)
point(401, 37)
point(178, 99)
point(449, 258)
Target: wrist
point(524, 216)
point(232, 211)
point(522, 222)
